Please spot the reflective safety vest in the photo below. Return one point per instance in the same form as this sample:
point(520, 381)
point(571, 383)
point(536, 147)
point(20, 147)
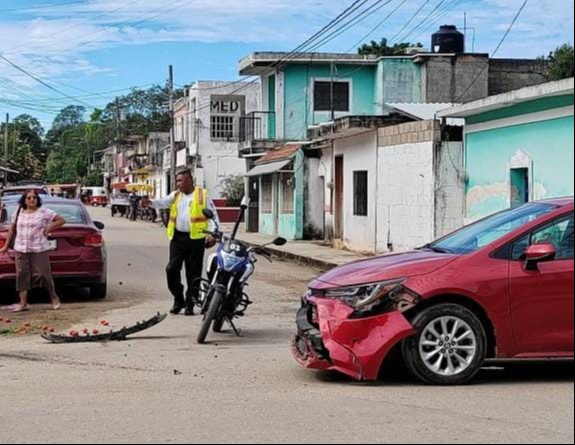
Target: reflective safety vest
point(198, 222)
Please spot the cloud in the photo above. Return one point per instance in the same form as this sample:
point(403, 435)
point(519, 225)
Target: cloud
point(60, 41)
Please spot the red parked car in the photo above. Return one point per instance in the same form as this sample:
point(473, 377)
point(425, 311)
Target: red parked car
point(501, 288)
point(79, 257)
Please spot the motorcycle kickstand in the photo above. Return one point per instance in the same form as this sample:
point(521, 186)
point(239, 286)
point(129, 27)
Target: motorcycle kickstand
point(237, 331)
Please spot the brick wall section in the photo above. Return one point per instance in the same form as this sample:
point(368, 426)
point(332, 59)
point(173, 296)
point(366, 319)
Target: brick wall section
point(411, 133)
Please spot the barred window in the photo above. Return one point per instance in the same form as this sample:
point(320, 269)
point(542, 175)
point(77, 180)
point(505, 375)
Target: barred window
point(223, 128)
point(322, 96)
point(360, 193)
point(267, 195)
point(288, 192)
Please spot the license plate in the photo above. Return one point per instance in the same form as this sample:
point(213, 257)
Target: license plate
point(52, 245)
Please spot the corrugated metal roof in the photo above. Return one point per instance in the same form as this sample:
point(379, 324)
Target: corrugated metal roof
point(424, 112)
point(268, 169)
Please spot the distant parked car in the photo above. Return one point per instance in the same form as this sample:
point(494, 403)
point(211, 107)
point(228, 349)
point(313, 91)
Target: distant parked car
point(79, 256)
point(501, 288)
point(19, 190)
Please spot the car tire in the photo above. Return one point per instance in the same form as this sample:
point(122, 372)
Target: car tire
point(449, 347)
point(99, 291)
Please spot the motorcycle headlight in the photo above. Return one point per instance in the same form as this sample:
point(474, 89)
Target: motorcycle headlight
point(388, 295)
point(230, 261)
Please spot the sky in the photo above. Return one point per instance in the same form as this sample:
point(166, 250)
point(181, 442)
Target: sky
point(87, 51)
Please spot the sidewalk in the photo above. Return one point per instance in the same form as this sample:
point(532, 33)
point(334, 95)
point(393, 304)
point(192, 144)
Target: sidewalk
point(309, 253)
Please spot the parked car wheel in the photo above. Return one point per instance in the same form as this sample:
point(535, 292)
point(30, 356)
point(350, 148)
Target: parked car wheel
point(449, 348)
point(99, 291)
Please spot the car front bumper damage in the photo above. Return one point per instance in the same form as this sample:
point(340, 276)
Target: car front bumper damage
point(329, 338)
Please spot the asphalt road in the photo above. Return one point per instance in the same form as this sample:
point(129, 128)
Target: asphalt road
point(161, 387)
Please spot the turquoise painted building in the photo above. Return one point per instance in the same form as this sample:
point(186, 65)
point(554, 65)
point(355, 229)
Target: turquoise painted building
point(519, 147)
point(300, 92)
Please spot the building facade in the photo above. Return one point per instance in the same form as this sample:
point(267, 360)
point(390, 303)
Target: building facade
point(207, 130)
point(519, 147)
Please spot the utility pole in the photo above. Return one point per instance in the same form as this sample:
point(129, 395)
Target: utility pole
point(173, 153)
point(5, 175)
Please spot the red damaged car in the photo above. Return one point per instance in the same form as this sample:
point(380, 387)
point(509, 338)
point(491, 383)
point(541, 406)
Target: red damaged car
point(78, 257)
point(502, 288)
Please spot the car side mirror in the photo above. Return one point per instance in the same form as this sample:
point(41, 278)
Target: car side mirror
point(539, 253)
point(279, 242)
point(99, 225)
point(208, 214)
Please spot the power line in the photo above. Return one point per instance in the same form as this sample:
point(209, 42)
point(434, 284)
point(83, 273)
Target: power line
point(424, 21)
point(126, 22)
point(77, 25)
point(511, 26)
point(43, 6)
point(368, 12)
point(440, 15)
point(379, 25)
point(410, 21)
point(37, 79)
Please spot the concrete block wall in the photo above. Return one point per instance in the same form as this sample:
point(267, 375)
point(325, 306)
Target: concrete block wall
point(405, 198)
point(410, 133)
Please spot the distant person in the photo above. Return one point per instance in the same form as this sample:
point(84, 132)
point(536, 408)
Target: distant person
point(32, 224)
point(188, 239)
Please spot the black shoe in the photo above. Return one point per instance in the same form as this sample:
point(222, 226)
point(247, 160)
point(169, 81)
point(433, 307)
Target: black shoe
point(177, 308)
point(190, 311)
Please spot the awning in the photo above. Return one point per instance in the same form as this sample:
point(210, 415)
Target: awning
point(268, 169)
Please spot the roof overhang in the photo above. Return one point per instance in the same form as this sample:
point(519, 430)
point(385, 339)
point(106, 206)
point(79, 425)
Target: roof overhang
point(493, 103)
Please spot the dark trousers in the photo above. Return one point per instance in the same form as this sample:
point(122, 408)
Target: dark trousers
point(184, 250)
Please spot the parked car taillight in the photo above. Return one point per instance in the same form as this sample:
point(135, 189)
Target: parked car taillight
point(94, 240)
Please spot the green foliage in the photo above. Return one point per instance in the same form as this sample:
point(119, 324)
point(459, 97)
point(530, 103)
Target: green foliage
point(561, 63)
point(234, 190)
point(383, 49)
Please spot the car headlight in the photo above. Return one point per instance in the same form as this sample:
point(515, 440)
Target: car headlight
point(376, 298)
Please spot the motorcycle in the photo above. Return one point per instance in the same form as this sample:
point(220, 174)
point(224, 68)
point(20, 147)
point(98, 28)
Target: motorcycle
point(222, 297)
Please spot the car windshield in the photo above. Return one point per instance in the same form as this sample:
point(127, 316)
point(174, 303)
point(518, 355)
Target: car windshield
point(491, 229)
point(72, 214)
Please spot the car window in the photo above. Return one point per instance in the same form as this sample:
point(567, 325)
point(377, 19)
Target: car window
point(559, 233)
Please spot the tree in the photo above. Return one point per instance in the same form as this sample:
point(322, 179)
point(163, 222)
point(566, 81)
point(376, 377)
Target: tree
point(561, 63)
point(29, 132)
point(234, 190)
point(94, 179)
point(26, 164)
point(70, 116)
point(383, 49)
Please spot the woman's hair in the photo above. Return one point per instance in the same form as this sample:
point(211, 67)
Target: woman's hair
point(23, 203)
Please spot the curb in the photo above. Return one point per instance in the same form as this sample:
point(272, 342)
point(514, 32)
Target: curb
point(298, 259)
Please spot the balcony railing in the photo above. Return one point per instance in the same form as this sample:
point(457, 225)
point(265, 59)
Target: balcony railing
point(258, 126)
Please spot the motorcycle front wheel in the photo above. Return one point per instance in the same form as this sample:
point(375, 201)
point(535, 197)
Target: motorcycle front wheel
point(210, 316)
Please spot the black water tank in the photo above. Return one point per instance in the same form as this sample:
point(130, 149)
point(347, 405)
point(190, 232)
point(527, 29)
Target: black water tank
point(448, 40)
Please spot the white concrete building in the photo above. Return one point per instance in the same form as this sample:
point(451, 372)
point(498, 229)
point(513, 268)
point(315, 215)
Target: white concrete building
point(392, 183)
point(208, 123)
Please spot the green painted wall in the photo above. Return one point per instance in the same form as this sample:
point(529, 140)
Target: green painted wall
point(298, 97)
point(550, 145)
point(400, 80)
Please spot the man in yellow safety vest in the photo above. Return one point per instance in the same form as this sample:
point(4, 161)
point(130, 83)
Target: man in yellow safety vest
point(187, 229)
